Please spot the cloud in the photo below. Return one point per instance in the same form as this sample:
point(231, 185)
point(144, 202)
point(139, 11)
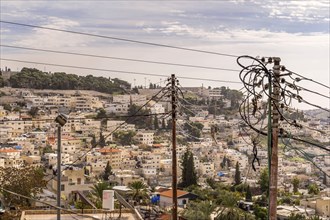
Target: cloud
point(235, 35)
point(43, 38)
point(301, 11)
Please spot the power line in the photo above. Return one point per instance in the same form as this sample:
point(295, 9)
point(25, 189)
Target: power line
point(308, 90)
point(96, 119)
point(121, 124)
point(305, 78)
point(46, 203)
point(119, 71)
point(120, 58)
point(119, 39)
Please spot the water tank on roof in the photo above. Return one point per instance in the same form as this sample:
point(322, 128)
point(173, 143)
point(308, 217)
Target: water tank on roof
point(108, 199)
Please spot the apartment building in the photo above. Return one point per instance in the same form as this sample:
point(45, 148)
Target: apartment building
point(130, 99)
point(112, 125)
point(117, 108)
point(145, 137)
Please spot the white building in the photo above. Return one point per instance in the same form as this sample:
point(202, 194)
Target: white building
point(145, 137)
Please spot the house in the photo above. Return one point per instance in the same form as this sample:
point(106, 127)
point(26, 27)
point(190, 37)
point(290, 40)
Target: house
point(145, 137)
point(117, 108)
point(323, 206)
point(72, 179)
point(112, 155)
point(284, 211)
point(183, 198)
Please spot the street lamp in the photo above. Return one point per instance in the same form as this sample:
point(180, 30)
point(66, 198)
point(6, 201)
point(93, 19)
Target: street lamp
point(61, 120)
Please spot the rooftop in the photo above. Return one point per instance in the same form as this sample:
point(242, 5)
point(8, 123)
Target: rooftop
point(51, 215)
point(109, 150)
point(169, 193)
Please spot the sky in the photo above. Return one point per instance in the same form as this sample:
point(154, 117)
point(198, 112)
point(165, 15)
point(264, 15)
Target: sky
point(295, 31)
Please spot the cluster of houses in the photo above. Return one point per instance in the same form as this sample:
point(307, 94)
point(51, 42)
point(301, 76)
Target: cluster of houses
point(32, 140)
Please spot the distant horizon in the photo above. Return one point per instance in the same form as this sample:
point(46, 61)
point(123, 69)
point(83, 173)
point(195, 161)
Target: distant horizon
point(132, 86)
point(295, 31)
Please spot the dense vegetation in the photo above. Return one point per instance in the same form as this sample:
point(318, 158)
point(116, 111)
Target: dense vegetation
point(36, 79)
point(2, 82)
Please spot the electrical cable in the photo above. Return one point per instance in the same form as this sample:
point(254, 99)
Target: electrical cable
point(46, 203)
point(303, 153)
point(305, 78)
point(126, 121)
point(118, 39)
point(119, 58)
point(118, 71)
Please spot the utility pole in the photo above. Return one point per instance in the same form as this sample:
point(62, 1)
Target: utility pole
point(58, 172)
point(174, 165)
point(275, 96)
point(61, 119)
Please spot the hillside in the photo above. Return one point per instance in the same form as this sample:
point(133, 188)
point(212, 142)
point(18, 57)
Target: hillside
point(35, 79)
point(318, 113)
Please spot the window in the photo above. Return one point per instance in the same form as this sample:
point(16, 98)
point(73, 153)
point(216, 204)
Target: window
point(62, 187)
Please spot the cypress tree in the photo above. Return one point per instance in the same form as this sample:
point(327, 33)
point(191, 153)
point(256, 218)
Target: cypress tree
point(107, 171)
point(156, 125)
point(189, 176)
point(93, 141)
point(237, 175)
point(248, 195)
point(102, 140)
point(163, 123)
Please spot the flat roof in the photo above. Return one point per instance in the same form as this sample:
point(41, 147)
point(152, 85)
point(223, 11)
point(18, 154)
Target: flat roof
point(92, 216)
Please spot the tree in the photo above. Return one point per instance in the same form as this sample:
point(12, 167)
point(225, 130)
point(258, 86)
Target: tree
point(211, 182)
point(93, 141)
point(313, 189)
point(199, 210)
point(224, 162)
point(97, 192)
point(125, 137)
point(34, 78)
point(295, 183)
point(228, 205)
point(7, 107)
point(101, 113)
point(107, 172)
point(237, 175)
point(27, 181)
point(156, 124)
point(248, 195)
point(102, 140)
point(140, 121)
point(2, 81)
point(47, 149)
point(139, 190)
point(260, 212)
point(194, 129)
point(296, 216)
point(264, 181)
point(33, 111)
point(163, 124)
point(189, 176)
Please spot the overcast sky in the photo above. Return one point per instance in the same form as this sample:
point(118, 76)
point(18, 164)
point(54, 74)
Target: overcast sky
point(295, 31)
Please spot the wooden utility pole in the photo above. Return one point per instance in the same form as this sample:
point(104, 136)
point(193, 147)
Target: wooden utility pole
point(58, 172)
point(174, 165)
point(275, 96)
